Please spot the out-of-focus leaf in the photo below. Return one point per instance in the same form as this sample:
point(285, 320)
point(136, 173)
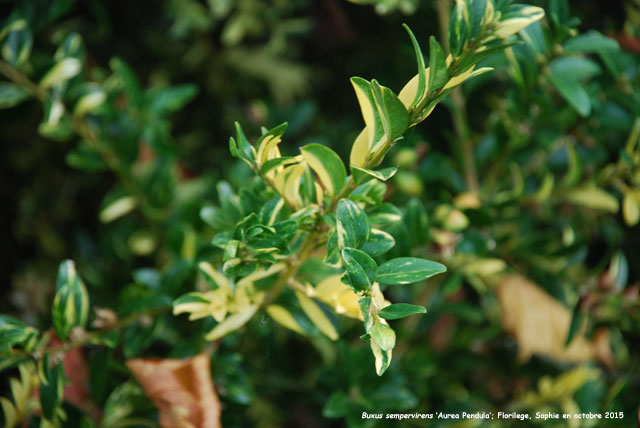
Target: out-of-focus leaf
point(11, 95)
point(591, 42)
point(593, 197)
point(541, 324)
point(572, 91)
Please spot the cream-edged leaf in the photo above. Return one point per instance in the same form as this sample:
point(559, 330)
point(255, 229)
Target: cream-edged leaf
point(327, 165)
point(362, 174)
point(360, 149)
point(421, 89)
point(283, 317)
point(315, 314)
point(232, 323)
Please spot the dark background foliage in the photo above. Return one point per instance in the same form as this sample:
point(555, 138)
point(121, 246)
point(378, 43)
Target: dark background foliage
point(261, 63)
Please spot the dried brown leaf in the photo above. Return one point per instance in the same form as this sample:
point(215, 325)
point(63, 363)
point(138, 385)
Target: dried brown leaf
point(540, 324)
point(181, 389)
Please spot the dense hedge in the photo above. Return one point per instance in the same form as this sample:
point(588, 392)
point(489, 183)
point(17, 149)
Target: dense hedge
point(523, 184)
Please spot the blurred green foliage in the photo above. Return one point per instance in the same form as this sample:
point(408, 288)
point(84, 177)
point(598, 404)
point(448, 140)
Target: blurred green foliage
point(115, 121)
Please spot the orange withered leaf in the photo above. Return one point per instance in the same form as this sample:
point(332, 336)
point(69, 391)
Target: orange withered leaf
point(181, 389)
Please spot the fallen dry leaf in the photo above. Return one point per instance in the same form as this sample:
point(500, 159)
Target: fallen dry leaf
point(181, 389)
point(540, 324)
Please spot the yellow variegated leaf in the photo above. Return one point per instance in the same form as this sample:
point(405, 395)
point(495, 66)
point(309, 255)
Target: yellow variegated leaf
point(10, 413)
point(338, 295)
point(470, 73)
point(316, 315)
point(319, 193)
point(360, 150)
point(593, 197)
point(485, 267)
point(268, 149)
point(366, 105)
point(292, 185)
point(457, 80)
point(284, 318)
point(546, 188)
point(467, 200)
point(347, 304)
point(201, 305)
point(378, 298)
point(524, 16)
point(408, 93)
point(232, 323)
point(383, 358)
point(287, 183)
point(327, 165)
point(118, 208)
point(62, 71)
point(260, 274)
point(219, 279)
point(241, 300)
point(630, 208)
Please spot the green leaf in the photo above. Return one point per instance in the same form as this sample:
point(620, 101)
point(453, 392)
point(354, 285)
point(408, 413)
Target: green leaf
point(421, 90)
point(122, 403)
point(360, 269)
point(383, 336)
point(476, 10)
point(573, 92)
point(365, 308)
point(578, 68)
point(85, 159)
point(406, 270)
point(577, 318)
point(337, 405)
point(246, 150)
point(167, 100)
point(574, 170)
point(438, 74)
point(352, 224)
point(274, 163)
point(591, 42)
point(51, 388)
point(11, 95)
point(379, 242)
point(19, 41)
point(71, 302)
point(14, 332)
point(362, 174)
point(327, 165)
point(332, 254)
point(458, 29)
point(400, 310)
point(276, 131)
